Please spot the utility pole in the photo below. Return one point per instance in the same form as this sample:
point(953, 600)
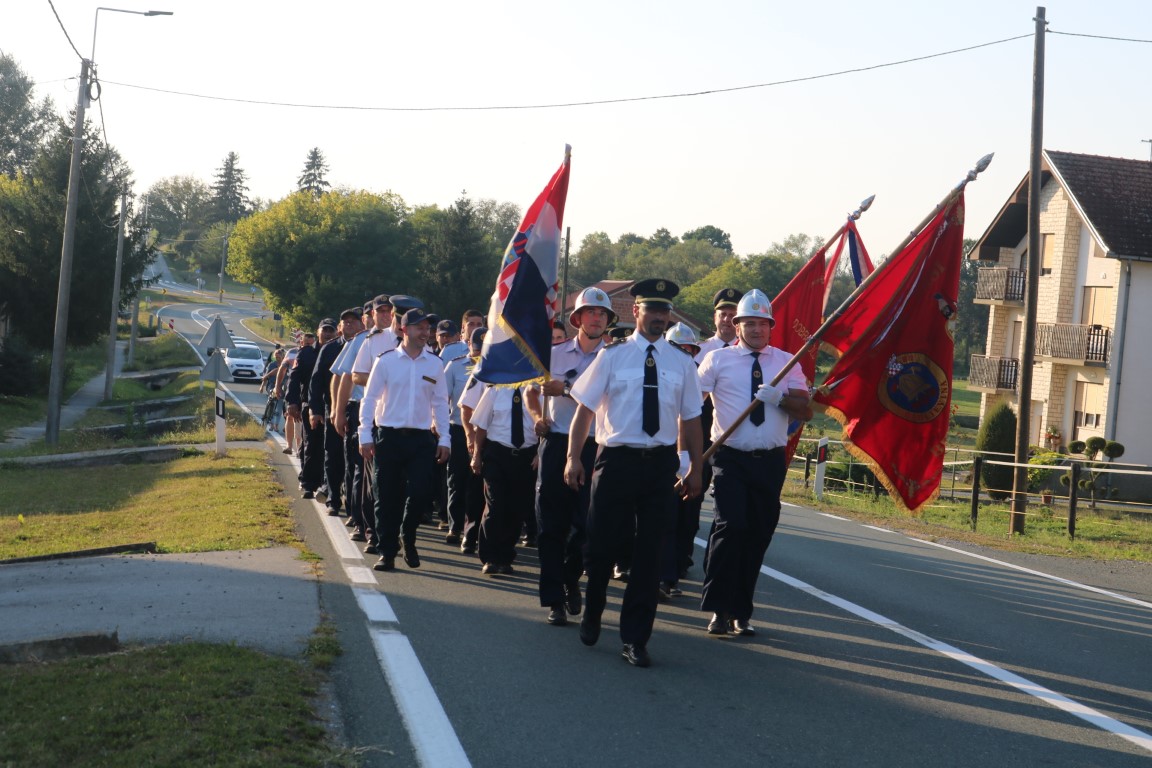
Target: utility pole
point(1149, 142)
point(223, 259)
point(1032, 288)
point(110, 372)
point(64, 289)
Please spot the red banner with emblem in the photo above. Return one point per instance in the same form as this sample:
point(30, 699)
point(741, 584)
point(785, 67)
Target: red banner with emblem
point(891, 389)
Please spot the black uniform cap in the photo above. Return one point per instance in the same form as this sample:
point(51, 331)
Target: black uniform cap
point(726, 297)
point(402, 303)
point(656, 291)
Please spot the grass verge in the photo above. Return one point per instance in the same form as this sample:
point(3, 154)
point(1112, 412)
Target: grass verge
point(192, 705)
point(199, 503)
point(166, 351)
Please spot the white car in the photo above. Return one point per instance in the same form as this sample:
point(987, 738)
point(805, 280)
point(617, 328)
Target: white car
point(244, 362)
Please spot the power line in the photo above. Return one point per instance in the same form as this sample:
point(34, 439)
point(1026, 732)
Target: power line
point(1100, 37)
point(559, 105)
point(61, 23)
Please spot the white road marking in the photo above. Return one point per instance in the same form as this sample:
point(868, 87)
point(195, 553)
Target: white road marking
point(878, 528)
point(360, 574)
point(375, 605)
point(834, 517)
point(427, 723)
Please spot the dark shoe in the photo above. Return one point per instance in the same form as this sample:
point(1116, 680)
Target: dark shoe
point(557, 617)
point(664, 591)
point(620, 574)
point(636, 655)
point(529, 541)
point(675, 591)
point(309, 495)
point(468, 549)
point(452, 538)
point(411, 556)
point(333, 511)
point(371, 549)
point(573, 601)
point(385, 563)
point(589, 629)
point(719, 624)
point(358, 535)
point(743, 627)
point(322, 491)
point(349, 523)
point(506, 569)
point(287, 451)
point(444, 526)
point(490, 569)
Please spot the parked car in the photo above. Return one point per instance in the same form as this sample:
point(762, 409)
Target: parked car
point(245, 361)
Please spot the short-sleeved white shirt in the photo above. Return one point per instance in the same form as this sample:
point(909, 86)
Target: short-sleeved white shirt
point(727, 374)
point(493, 414)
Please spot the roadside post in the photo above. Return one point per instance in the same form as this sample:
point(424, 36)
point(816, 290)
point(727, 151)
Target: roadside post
point(821, 464)
point(216, 370)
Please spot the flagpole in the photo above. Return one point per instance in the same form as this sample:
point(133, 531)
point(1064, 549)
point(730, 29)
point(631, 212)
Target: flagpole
point(812, 340)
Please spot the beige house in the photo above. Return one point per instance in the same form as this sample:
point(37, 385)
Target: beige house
point(1094, 314)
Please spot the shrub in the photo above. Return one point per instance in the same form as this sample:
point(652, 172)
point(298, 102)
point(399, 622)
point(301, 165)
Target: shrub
point(997, 435)
point(1038, 477)
point(23, 371)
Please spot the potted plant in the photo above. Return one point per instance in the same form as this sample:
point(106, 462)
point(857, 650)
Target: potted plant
point(1052, 437)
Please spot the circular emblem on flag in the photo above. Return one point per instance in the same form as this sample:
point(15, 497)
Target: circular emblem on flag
point(915, 388)
point(660, 286)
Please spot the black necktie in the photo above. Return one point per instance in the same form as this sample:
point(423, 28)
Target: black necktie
point(517, 420)
point(757, 415)
point(651, 421)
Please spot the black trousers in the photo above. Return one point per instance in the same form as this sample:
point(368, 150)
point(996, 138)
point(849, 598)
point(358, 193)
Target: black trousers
point(465, 489)
point(357, 491)
point(630, 486)
point(747, 491)
point(404, 460)
point(334, 460)
point(561, 516)
point(311, 451)
point(509, 489)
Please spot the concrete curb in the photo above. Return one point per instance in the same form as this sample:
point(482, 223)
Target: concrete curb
point(147, 547)
point(57, 648)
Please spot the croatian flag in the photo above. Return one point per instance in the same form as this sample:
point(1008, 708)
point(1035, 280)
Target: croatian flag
point(518, 346)
point(858, 258)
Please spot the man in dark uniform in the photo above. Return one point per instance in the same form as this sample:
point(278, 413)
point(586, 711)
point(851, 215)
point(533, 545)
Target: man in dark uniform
point(321, 402)
point(465, 489)
point(346, 420)
point(635, 472)
point(312, 445)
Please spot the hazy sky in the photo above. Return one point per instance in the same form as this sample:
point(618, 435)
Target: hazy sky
point(760, 163)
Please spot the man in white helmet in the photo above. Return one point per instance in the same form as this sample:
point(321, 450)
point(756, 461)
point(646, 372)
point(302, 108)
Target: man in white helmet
point(748, 469)
point(561, 511)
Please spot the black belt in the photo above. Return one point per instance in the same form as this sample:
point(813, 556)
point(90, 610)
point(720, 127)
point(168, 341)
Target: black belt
point(524, 449)
point(759, 453)
point(659, 450)
point(408, 431)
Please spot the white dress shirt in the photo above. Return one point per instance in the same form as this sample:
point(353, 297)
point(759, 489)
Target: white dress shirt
point(568, 356)
point(493, 414)
point(375, 344)
point(715, 342)
point(613, 387)
point(405, 393)
point(727, 374)
point(473, 391)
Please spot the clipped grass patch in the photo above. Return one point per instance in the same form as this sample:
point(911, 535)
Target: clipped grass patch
point(166, 351)
point(200, 503)
point(190, 705)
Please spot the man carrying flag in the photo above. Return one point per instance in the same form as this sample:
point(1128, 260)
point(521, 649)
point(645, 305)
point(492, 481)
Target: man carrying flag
point(891, 388)
point(518, 346)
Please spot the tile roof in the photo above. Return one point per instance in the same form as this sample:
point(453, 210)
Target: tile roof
point(1115, 196)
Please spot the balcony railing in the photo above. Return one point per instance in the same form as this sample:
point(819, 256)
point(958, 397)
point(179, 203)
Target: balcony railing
point(1073, 343)
point(993, 373)
point(999, 284)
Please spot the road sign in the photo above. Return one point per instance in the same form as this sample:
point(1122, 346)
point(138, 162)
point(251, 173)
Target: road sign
point(216, 369)
point(217, 336)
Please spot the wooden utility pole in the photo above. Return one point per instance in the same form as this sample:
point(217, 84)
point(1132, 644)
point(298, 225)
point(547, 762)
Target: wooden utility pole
point(1032, 288)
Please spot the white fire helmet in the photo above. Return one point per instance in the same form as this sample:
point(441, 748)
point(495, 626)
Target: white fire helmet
point(682, 336)
point(754, 304)
point(592, 297)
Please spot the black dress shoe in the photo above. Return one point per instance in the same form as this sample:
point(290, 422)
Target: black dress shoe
point(468, 549)
point(371, 549)
point(589, 629)
point(743, 627)
point(385, 563)
point(308, 495)
point(358, 535)
point(557, 617)
point(719, 624)
point(573, 601)
point(452, 538)
point(411, 556)
point(636, 655)
point(349, 523)
point(333, 511)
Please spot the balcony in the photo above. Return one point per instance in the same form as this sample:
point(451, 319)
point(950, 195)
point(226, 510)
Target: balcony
point(1000, 285)
point(1073, 344)
point(993, 374)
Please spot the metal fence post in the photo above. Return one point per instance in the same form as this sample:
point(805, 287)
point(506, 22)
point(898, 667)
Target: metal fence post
point(1073, 486)
point(977, 463)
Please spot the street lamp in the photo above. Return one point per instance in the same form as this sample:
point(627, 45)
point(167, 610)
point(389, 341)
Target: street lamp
point(64, 289)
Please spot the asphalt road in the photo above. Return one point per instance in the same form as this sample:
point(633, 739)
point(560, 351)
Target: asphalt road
point(875, 650)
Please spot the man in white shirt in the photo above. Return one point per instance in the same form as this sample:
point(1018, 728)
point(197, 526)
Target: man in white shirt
point(645, 397)
point(749, 468)
point(406, 399)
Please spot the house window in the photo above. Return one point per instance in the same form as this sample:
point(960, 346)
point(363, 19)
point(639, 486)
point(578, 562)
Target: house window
point(1047, 253)
point(1096, 306)
point(1089, 407)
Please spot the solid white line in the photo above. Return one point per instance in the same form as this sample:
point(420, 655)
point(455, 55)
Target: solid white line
point(1092, 716)
point(433, 737)
point(882, 530)
point(360, 574)
point(338, 535)
point(1041, 574)
point(834, 517)
point(375, 605)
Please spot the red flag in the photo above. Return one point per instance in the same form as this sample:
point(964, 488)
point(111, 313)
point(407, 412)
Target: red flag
point(891, 389)
point(797, 310)
point(858, 260)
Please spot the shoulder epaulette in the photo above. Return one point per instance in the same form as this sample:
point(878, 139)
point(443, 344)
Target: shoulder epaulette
point(461, 357)
point(473, 382)
point(375, 331)
point(385, 352)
